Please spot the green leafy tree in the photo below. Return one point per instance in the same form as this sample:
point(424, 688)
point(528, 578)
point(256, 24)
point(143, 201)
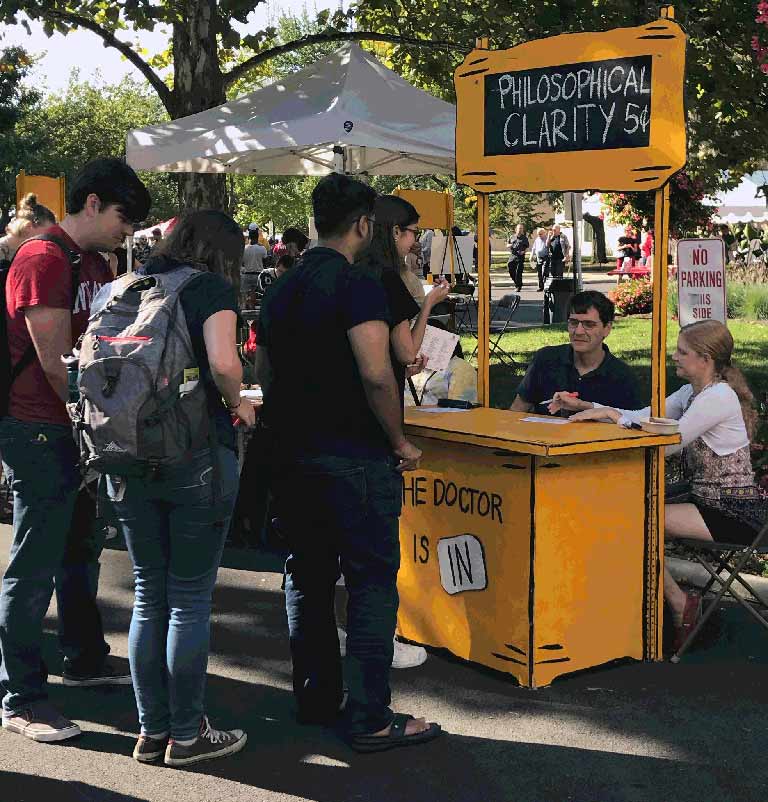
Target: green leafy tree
point(16, 102)
point(726, 91)
point(202, 48)
point(90, 120)
point(687, 214)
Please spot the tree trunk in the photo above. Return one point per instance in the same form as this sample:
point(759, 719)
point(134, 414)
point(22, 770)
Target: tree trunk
point(598, 228)
point(197, 85)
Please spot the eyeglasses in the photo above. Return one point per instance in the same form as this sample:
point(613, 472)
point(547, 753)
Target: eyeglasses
point(371, 218)
point(415, 231)
point(587, 325)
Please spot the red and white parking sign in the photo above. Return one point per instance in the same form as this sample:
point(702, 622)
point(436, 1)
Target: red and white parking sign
point(701, 280)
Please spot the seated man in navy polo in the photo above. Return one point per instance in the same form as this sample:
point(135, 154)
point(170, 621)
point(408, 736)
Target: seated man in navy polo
point(584, 367)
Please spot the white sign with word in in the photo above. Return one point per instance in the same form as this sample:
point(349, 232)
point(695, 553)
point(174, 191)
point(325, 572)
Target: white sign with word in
point(462, 564)
point(701, 280)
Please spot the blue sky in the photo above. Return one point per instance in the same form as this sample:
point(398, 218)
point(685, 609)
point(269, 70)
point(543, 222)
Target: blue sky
point(83, 50)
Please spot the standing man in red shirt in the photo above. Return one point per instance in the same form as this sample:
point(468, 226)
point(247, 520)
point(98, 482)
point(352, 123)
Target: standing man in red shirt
point(39, 454)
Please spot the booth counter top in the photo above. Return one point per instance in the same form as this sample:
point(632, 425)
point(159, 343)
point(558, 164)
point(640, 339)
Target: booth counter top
point(530, 547)
point(497, 428)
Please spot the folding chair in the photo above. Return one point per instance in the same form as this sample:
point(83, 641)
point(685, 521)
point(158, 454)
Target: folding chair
point(731, 559)
point(506, 308)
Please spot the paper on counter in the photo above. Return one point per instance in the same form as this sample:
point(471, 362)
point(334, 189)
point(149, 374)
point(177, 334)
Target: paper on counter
point(439, 346)
point(556, 421)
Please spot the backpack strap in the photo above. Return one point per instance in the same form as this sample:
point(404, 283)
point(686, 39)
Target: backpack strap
point(74, 258)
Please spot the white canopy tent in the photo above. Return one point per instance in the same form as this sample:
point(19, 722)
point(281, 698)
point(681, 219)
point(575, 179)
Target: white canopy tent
point(742, 204)
point(346, 112)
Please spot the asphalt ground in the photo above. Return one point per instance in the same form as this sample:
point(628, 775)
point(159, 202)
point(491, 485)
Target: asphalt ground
point(693, 732)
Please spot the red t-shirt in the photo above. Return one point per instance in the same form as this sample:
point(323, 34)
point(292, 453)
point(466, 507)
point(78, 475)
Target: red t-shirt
point(41, 275)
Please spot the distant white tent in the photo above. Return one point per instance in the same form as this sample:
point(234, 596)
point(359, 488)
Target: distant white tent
point(742, 204)
point(346, 111)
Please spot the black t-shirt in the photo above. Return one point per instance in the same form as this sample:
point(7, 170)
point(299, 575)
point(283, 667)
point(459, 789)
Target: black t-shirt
point(556, 249)
point(204, 296)
point(519, 245)
point(316, 403)
point(401, 307)
point(612, 383)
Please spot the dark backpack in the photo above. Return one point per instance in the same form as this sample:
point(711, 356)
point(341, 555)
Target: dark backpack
point(8, 371)
point(142, 403)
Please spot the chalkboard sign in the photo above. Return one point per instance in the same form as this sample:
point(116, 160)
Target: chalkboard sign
point(600, 111)
point(597, 105)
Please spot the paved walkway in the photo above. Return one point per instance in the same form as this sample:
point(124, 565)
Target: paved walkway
point(625, 733)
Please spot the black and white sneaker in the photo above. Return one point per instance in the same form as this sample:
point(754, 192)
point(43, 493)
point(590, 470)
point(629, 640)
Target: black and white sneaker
point(209, 744)
point(149, 749)
point(106, 674)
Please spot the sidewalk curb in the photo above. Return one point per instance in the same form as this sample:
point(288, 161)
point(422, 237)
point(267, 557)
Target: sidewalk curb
point(694, 574)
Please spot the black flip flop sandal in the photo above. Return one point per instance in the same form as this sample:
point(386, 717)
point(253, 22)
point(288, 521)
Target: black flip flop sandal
point(396, 737)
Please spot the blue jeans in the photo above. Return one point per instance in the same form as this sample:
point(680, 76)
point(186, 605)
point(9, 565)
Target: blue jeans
point(41, 463)
point(341, 513)
point(175, 526)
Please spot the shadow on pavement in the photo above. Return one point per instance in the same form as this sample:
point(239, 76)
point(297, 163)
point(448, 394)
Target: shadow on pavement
point(29, 788)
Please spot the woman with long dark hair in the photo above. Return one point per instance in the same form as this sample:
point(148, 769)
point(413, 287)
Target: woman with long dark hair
point(394, 234)
point(176, 520)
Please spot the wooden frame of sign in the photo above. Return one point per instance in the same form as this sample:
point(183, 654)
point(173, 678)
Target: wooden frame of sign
point(599, 111)
point(576, 111)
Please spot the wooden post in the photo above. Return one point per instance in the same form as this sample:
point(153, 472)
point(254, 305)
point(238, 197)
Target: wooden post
point(655, 580)
point(483, 288)
point(451, 243)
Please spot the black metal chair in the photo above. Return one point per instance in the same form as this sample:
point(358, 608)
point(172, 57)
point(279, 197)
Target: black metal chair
point(731, 559)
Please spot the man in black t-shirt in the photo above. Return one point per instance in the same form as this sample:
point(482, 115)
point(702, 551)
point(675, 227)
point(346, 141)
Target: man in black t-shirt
point(585, 368)
point(333, 412)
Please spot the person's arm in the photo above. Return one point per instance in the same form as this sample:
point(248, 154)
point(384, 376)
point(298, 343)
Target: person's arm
point(219, 334)
point(436, 295)
point(521, 405)
point(51, 333)
point(370, 347)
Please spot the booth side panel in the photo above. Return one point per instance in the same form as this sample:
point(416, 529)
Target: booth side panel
point(589, 543)
point(465, 554)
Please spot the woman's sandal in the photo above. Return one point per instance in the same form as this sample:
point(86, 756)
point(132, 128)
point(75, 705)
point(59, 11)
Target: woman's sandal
point(395, 738)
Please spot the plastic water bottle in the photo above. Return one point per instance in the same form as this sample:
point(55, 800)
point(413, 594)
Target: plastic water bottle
point(72, 363)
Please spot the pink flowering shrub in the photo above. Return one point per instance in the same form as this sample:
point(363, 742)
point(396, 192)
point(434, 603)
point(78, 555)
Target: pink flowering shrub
point(633, 297)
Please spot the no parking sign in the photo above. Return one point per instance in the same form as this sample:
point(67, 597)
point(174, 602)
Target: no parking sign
point(701, 280)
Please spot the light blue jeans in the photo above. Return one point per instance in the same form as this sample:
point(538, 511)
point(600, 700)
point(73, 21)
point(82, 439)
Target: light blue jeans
point(175, 527)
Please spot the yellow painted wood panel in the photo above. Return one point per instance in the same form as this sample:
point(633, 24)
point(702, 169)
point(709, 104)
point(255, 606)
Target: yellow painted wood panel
point(589, 557)
point(462, 504)
point(505, 429)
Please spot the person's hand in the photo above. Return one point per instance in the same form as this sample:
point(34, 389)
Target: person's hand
point(598, 413)
point(416, 247)
point(567, 401)
point(438, 293)
point(409, 457)
point(245, 412)
point(417, 366)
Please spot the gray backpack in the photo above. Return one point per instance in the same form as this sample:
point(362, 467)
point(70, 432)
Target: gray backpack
point(142, 403)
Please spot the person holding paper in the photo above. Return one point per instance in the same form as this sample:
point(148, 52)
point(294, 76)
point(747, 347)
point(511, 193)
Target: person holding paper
point(585, 368)
point(394, 233)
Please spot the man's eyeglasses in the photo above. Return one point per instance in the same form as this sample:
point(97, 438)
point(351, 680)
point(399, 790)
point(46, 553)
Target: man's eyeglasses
point(371, 218)
point(587, 325)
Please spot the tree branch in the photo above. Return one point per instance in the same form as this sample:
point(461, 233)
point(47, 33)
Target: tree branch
point(70, 18)
point(321, 38)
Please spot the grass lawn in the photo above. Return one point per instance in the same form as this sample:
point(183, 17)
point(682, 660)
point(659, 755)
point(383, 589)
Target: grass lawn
point(630, 340)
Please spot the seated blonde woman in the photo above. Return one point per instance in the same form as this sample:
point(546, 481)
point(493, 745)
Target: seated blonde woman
point(717, 420)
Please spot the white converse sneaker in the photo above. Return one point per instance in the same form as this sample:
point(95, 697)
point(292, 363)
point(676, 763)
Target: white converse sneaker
point(407, 656)
point(209, 744)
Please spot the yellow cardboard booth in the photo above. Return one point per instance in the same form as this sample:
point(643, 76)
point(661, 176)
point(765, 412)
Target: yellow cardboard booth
point(531, 544)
